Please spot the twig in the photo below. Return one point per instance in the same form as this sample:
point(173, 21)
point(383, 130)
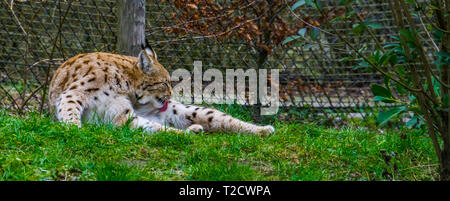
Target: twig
point(377, 43)
point(51, 53)
point(15, 17)
point(46, 60)
point(428, 33)
point(200, 19)
point(40, 87)
point(298, 17)
point(12, 99)
point(213, 35)
point(433, 24)
point(367, 60)
point(422, 52)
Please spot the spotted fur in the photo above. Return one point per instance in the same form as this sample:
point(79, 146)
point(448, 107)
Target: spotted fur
point(116, 88)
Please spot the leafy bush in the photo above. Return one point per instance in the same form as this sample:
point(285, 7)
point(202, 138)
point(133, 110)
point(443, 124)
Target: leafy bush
point(414, 65)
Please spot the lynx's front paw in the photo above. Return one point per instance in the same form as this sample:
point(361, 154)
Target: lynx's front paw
point(195, 128)
point(266, 130)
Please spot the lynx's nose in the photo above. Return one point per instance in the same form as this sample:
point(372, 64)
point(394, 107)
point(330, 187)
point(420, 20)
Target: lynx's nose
point(166, 98)
point(163, 99)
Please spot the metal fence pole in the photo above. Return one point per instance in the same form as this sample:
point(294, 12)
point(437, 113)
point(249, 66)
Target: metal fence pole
point(131, 26)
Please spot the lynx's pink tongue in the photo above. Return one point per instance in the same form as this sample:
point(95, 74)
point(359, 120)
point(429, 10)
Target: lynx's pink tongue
point(164, 108)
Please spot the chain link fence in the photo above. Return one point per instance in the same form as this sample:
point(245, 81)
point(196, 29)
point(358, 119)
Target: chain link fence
point(37, 36)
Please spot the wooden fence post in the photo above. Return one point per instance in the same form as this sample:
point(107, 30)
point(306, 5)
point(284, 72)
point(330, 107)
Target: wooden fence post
point(131, 26)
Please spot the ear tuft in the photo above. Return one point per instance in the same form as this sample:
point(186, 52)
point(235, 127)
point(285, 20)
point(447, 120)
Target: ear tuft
point(148, 48)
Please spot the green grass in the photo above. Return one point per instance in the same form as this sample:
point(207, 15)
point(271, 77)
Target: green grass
point(37, 148)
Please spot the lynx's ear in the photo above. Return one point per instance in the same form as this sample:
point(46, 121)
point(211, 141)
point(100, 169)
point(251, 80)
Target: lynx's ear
point(147, 58)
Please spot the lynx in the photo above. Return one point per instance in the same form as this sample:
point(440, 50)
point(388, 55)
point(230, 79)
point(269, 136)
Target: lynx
point(116, 88)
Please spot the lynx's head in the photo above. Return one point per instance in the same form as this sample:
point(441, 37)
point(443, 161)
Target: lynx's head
point(155, 90)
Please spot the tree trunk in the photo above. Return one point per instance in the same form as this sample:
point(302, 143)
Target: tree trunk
point(131, 27)
point(257, 107)
point(445, 164)
point(443, 22)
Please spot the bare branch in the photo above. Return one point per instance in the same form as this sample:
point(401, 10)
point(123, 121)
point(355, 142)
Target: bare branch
point(298, 17)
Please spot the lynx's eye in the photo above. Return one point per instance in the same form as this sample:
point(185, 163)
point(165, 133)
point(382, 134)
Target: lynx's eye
point(164, 85)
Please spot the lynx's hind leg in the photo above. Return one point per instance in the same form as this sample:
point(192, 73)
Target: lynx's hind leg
point(187, 116)
point(70, 107)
